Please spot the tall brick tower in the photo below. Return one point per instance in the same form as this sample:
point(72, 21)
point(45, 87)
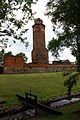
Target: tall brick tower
point(39, 52)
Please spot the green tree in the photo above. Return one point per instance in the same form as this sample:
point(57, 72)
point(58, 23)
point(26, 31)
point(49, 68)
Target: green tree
point(14, 16)
point(1, 57)
point(8, 54)
point(70, 82)
point(23, 55)
point(65, 14)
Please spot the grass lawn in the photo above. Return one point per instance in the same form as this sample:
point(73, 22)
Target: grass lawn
point(44, 85)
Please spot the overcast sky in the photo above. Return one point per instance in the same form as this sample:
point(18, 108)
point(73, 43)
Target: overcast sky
point(40, 9)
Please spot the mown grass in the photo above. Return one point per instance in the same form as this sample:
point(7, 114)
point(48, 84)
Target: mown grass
point(44, 85)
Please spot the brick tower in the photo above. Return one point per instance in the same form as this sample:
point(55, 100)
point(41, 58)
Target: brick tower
point(39, 52)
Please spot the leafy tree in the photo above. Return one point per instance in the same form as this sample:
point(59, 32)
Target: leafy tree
point(23, 55)
point(19, 54)
point(65, 18)
point(1, 57)
point(2, 53)
point(70, 82)
point(14, 16)
point(8, 54)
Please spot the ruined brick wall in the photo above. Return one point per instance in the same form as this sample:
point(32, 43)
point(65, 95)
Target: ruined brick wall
point(34, 68)
point(39, 52)
point(13, 64)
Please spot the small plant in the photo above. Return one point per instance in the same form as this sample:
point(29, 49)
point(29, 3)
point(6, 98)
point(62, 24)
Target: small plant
point(65, 73)
point(70, 82)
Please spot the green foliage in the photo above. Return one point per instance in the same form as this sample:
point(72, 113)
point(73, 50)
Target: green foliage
point(64, 12)
point(8, 54)
point(65, 73)
point(19, 54)
point(2, 53)
point(54, 47)
point(1, 57)
point(44, 85)
point(70, 82)
point(23, 55)
point(66, 25)
point(14, 16)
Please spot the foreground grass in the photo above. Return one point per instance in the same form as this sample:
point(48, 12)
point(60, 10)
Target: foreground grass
point(44, 85)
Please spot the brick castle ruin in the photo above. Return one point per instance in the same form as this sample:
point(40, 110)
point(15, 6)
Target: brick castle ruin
point(14, 64)
point(39, 52)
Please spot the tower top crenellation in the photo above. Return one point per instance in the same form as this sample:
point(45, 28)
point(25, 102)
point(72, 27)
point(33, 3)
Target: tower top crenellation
point(38, 21)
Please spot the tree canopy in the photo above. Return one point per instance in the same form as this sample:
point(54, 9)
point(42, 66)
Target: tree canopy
point(23, 55)
point(65, 17)
point(18, 54)
point(14, 16)
point(8, 54)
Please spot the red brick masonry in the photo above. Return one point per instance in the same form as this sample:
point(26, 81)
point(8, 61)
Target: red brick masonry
point(13, 64)
point(39, 52)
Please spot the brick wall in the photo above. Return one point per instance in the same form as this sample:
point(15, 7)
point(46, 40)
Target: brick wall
point(32, 68)
point(13, 64)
